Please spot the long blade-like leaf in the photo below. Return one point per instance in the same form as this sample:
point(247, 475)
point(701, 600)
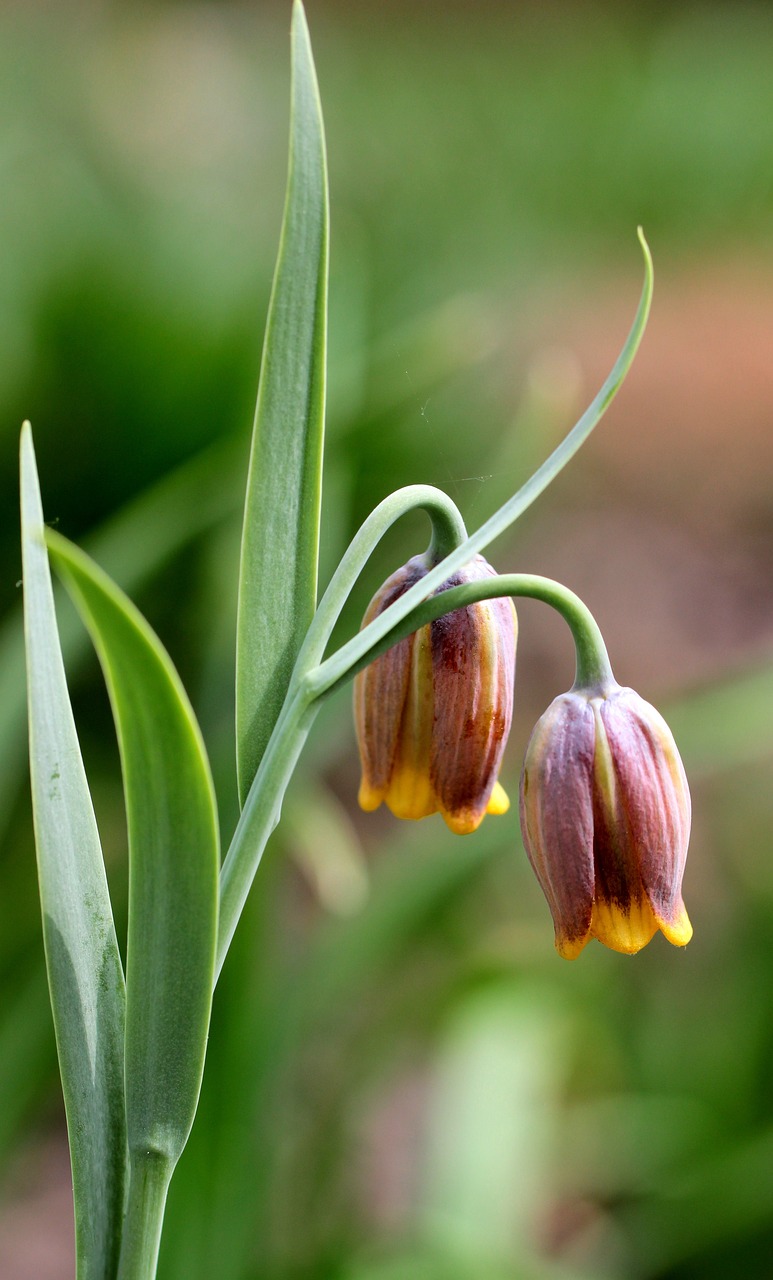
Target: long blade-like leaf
point(173, 861)
point(133, 544)
point(84, 966)
point(342, 664)
point(278, 578)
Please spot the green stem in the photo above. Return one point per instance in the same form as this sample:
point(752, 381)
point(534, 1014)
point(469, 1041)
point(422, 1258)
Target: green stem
point(260, 814)
point(264, 801)
point(448, 532)
point(593, 668)
point(149, 1176)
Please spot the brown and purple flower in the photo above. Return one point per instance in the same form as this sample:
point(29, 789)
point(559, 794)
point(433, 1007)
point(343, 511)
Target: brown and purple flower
point(605, 815)
point(433, 712)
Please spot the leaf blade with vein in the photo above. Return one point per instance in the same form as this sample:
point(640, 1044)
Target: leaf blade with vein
point(84, 967)
point(173, 860)
point(278, 574)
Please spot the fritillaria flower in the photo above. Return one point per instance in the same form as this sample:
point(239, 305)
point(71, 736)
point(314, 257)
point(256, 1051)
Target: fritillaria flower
point(433, 712)
point(605, 815)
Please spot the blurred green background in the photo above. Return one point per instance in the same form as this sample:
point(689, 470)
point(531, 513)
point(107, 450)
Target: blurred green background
point(404, 1081)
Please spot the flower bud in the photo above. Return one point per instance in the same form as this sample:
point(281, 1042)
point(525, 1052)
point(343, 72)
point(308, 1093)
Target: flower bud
point(605, 815)
point(433, 712)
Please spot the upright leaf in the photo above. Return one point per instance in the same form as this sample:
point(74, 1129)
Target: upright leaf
point(84, 967)
point(173, 861)
point(278, 577)
point(133, 544)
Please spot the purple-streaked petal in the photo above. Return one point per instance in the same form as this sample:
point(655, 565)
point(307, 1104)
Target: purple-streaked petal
point(653, 801)
point(557, 816)
point(380, 693)
point(473, 659)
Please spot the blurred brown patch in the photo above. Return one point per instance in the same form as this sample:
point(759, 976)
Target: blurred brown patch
point(664, 523)
point(36, 1225)
point(693, 428)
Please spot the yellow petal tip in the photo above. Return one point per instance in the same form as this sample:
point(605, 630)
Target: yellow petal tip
point(679, 932)
point(410, 793)
point(625, 929)
point(368, 798)
point(462, 824)
point(500, 801)
point(570, 948)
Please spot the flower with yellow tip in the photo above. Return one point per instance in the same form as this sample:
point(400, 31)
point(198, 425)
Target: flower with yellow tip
point(433, 712)
point(605, 815)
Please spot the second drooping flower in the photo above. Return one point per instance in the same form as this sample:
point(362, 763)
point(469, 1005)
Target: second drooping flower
point(433, 713)
point(605, 815)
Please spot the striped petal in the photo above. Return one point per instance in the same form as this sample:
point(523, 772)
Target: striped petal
point(557, 816)
point(433, 713)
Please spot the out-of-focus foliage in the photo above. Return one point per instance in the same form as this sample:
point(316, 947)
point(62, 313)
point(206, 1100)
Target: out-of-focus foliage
point(403, 1079)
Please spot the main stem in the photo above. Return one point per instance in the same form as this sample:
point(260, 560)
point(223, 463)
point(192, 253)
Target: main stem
point(260, 815)
point(149, 1177)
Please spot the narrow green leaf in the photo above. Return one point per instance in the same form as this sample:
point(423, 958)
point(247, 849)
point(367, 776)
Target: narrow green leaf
point(84, 966)
point(278, 578)
point(133, 545)
point(342, 664)
point(173, 861)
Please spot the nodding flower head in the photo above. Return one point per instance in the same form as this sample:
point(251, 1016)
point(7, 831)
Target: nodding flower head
point(605, 815)
point(433, 712)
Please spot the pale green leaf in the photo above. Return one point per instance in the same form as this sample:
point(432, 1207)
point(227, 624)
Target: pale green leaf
point(132, 545)
point(84, 966)
point(173, 861)
point(278, 578)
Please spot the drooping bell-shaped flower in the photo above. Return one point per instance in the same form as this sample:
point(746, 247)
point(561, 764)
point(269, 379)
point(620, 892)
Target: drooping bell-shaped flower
point(605, 815)
point(433, 712)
